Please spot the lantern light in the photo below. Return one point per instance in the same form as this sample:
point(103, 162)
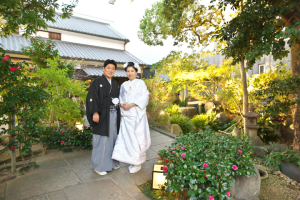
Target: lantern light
point(158, 177)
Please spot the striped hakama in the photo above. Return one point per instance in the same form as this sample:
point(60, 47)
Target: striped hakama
point(103, 146)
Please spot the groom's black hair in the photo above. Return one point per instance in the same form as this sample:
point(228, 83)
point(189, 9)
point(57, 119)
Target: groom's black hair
point(131, 64)
point(110, 62)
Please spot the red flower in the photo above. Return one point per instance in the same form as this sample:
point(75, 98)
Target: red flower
point(166, 160)
point(84, 127)
point(42, 59)
point(165, 168)
point(12, 69)
point(240, 151)
point(277, 53)
point(62, 131)
point(47, 56)
point(249, 61)
point(12, 147)
point(234, 167)
point(62, 141)
point(2, 143)
point(35, 77)
point(5, 58)
point(283, 51)
point(287, 32)
point(18, 68)
point(45, 84)
point(204, 171)
point(297, 28)
point(49, 45)
point(252, 52)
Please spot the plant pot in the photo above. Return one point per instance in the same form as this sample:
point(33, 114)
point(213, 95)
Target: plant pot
point(263, 174)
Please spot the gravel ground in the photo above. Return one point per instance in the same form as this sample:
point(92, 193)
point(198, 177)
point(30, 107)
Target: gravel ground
point(275, 187)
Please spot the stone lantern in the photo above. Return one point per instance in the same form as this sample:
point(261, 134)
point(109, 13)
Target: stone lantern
point(251, 124)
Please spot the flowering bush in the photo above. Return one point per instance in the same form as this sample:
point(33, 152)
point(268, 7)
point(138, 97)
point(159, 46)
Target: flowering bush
point(60, 138)
point(206, 163)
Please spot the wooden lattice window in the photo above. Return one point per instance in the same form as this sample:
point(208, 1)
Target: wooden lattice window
point(55, 36)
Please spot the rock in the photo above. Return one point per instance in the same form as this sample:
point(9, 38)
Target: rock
point(209, 107)
point(277, 173)
point(235, 132)
point(256, 141)
point(294, 183)
point(173, 128)
point(223, 119)
point(262, 151)
point(291, 170)
point(188, 111)
point(245, 188)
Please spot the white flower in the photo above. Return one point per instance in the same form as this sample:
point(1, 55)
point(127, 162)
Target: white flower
point(125, 65)
point(136, 65)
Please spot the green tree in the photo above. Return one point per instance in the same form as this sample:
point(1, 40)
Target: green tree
point(21, 103)
point(30, 15)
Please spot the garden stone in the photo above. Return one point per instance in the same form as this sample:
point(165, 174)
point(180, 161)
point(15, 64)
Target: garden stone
point(174, 128)
point(245, 188)
point(256, 141)
point(291, 170)
point(209, 107)
point(236, 132)
point(262, 151)
point(188, 111)
point(222, 118)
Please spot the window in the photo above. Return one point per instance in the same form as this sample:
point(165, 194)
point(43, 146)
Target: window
point(261, 69)
point(55, 36)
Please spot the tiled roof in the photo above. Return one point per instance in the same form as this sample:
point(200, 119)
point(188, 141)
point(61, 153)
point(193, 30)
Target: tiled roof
point(87, 26)
point(13, 44)
point(99, 72)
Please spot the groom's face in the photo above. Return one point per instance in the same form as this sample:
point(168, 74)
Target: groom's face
point(109, 70)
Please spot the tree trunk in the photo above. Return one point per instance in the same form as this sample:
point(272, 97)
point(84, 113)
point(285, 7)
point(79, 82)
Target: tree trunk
point(245, 93)
point(13, 151)
point(295, 55)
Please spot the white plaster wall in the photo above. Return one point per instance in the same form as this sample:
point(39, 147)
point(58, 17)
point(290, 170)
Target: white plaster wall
point(81, 38)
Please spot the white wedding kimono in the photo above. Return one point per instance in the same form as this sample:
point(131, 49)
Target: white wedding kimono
point(134, 136)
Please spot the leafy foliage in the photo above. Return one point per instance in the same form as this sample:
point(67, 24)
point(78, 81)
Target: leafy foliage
point(205, 121)
point(22, 96)
point(173, 109)
point(184, 122)
point(206, 163)
point(61, 138)
point(31, 15)
point(274, 159)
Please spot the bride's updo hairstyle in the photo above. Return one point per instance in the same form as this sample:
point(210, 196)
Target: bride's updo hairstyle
point(130, 64)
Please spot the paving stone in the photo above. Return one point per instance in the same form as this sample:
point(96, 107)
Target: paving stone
point(51, 163)
point(104, 189)
point(42, 197)
point(145, 174)
point(160, 140)
point(78, 158)
point(2, 190)
point(151, 154)
point(41, 182)
point(123, 164)
point(141, 197)
point(58, 195)
point(154, 133)
point(160, 147)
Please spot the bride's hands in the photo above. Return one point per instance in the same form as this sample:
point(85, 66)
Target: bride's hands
point(127, 106)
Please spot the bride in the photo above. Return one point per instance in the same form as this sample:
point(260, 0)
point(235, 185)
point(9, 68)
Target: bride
point(134, 136)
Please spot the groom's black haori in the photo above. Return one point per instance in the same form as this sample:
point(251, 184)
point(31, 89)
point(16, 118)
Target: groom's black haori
point(99, 99)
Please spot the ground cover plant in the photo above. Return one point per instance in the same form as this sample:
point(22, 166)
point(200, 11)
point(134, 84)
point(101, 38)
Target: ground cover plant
point(206, 164)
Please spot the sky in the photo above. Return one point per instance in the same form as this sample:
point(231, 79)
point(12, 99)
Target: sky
point(125, 16)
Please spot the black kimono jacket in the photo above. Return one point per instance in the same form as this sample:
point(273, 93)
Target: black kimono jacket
point(99, 99)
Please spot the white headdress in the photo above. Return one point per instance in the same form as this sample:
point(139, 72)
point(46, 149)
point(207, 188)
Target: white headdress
point(136, 65)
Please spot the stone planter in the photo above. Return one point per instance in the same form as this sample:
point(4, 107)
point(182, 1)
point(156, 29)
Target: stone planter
point(291, 170)
point(245, 188)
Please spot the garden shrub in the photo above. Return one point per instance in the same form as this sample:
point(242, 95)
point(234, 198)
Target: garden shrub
point(203, 120)
point(206, 163)
point(60, 138)
point(184, 122)
point(173, 109)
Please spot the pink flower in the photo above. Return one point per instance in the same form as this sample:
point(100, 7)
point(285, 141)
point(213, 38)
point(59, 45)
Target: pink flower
point(228, 193)
point(188, 143)
point(45, 85)
point(217, 165)
point(204, 171)
point(177, 155)
point(2, 143)
point(5, 58)
point(178, 147)
point(49, 45)
point(62, 141)
point(205, 165)
point(182, 148)
point(173, 151)
point(42, 59)
point(35, 77)
point(62, 131)
point(206, 176)
point(183, 155)
point(165, 168)
point(12, 69)
point(166, 160)
point(240, 151)
point(159, 157)
point(211, 198)
point(234, 167)
point(18, 68)
point(31, 38)
point(12, 147)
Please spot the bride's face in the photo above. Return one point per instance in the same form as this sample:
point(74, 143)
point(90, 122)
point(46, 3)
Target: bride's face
point(131, 73)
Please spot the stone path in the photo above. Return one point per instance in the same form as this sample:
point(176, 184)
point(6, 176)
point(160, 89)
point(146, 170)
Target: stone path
point(67, 176)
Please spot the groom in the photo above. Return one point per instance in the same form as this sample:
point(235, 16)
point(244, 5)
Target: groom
point(104, 117)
